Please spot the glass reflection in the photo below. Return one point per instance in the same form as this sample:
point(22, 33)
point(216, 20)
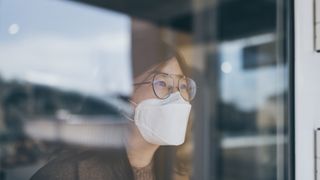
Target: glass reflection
point(58, 86)
point(64, 74)
point(251, 108)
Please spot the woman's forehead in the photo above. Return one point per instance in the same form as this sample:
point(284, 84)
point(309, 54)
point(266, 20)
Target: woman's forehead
point(171, 67)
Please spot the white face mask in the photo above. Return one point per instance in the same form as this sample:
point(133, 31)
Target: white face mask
point(163, 121)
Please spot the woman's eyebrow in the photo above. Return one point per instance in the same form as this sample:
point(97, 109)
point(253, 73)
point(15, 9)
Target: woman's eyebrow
point(181, 75)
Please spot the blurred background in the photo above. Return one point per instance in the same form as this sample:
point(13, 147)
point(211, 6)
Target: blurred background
point(66, 69)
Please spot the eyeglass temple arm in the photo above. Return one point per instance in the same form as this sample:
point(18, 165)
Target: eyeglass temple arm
point(147, 82)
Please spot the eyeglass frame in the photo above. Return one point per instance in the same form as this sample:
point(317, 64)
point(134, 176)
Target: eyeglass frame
point(155, 73)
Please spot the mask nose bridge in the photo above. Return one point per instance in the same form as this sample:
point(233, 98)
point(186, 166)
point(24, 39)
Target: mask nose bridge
point(173, 97)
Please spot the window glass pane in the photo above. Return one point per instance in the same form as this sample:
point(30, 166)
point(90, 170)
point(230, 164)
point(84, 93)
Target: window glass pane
point(126, 90)
point(247, 79)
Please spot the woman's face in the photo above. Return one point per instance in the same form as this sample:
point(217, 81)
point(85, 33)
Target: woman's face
point(143, 92)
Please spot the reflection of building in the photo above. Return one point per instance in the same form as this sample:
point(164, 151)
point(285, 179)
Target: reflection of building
point(92, 131)
point(41, 100)
point(234, 121)
point(23, 103)
point(270, 115)
point(2, 123)
point(251, 109)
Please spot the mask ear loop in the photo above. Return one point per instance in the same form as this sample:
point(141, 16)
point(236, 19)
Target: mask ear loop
point(135, 104)
point(128, 117)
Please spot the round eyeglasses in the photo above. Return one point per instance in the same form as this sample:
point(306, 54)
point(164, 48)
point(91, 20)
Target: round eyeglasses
point(163, 85)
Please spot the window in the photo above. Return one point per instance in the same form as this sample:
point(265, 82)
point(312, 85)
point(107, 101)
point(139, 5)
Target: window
point(74, 72)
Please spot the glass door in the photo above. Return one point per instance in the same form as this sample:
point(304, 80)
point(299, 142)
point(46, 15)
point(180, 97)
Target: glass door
point(246, 52)
point(69, 72)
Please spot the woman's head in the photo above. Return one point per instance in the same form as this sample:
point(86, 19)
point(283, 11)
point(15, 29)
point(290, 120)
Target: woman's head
point(165, 76)
point(161, 95)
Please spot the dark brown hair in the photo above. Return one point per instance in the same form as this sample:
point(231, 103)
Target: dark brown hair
point(155, 55)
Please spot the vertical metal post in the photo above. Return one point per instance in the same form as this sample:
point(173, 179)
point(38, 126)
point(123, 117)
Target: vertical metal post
point(206, 141)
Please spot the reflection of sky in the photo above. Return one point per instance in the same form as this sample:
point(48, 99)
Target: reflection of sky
point(67, 45)
point(248, 89)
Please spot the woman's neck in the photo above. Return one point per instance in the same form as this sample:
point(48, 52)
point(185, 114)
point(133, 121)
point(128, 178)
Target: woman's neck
point(139, 151)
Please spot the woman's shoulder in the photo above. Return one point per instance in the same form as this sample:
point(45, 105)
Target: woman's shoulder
point(87, 164)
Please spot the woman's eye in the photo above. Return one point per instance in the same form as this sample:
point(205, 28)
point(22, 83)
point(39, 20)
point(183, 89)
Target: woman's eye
point(183, 87)
point(161, 83)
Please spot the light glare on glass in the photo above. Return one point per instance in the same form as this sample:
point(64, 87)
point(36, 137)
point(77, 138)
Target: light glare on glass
point(226, 67)
point(13, 29)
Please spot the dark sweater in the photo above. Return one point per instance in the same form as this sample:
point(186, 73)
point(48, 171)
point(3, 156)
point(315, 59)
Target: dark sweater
point(144, 173)
point(111, 164)
point(87, 164)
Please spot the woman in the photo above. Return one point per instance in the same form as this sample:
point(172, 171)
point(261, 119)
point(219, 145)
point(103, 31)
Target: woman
point(161, 101)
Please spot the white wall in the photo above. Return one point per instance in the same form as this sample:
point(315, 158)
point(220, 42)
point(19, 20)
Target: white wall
point(307, 74)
